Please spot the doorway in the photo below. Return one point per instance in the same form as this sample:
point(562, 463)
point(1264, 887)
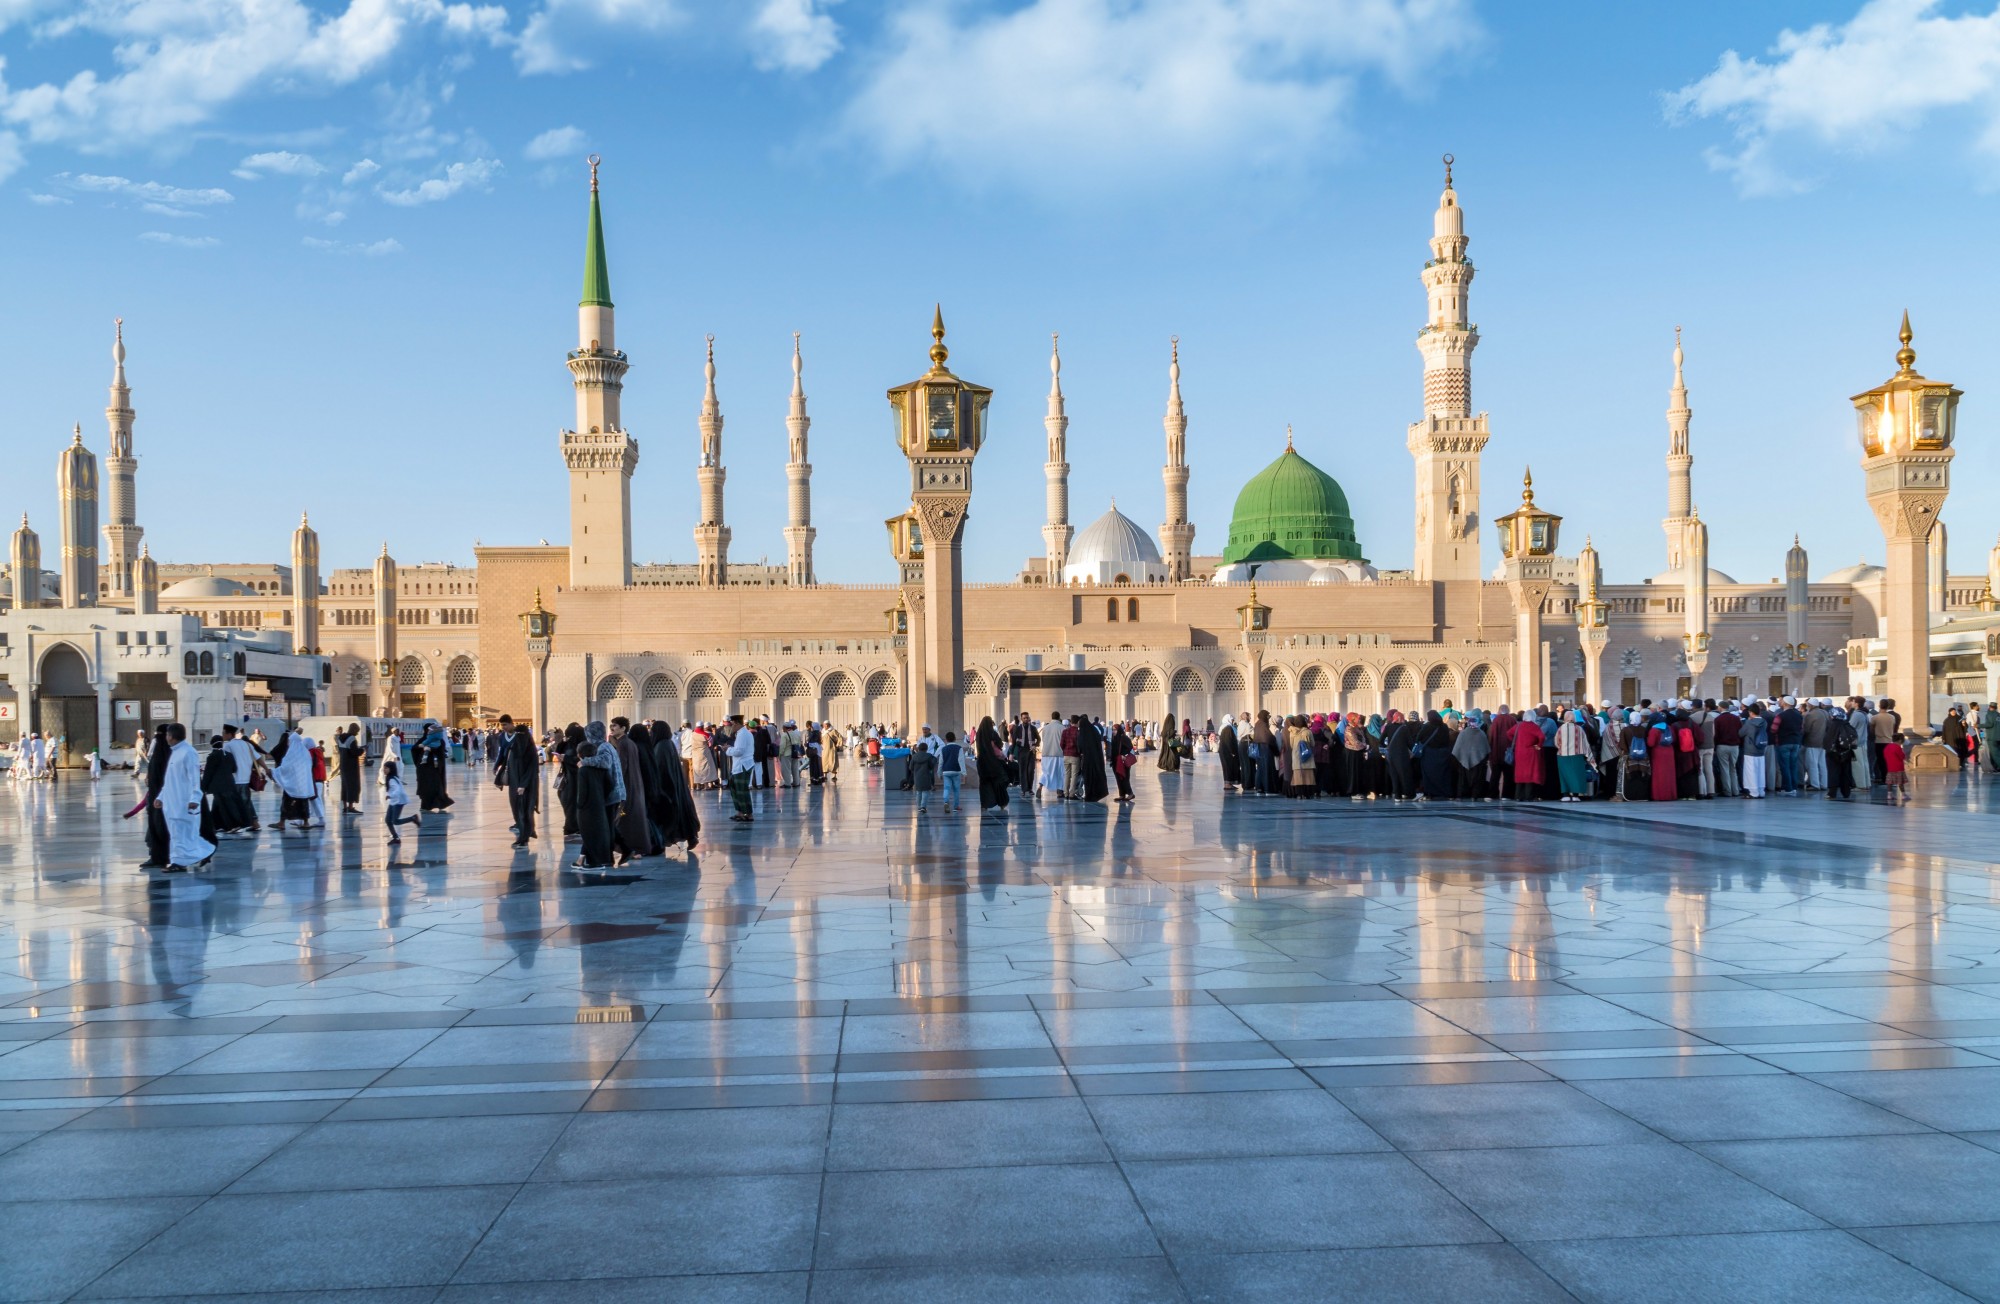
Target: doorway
point(66, 706)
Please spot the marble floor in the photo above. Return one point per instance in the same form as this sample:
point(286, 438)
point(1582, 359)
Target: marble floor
point(1200, 1049)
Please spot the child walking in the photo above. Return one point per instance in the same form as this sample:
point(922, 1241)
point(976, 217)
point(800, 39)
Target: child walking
point(394, 795)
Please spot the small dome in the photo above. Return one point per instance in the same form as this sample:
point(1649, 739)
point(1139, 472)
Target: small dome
point(1111, 546)
point(1291, 509)
point(1860, 572)
point(1675, 579)
point(207, 586)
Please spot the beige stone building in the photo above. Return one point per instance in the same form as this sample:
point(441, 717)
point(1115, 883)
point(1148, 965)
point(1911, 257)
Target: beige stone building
point(1288, 614)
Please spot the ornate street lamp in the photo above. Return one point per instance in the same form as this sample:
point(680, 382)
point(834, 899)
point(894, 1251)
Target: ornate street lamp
point(1906, 427)
point(1528, 537)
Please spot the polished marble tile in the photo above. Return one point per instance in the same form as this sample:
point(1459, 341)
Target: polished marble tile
point(1304, 1202)
point(1803, 1267)
point(311, 1241)
point(1636, 1189)
point(1488, 1114)
point(1316, 1039)
point(946, 1216)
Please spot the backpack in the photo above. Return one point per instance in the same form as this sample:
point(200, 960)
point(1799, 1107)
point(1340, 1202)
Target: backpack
point(1305, 751)
point(1684, 739)
point(1840, 738)
point(1638, 748)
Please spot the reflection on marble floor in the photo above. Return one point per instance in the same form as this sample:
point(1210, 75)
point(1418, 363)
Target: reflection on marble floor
point(1761, 1041)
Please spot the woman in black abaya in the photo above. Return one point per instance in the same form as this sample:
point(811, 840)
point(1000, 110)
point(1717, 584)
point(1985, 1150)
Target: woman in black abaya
point(990, 754)
point(673, 805)
point(429, 756)
point(1090, 758)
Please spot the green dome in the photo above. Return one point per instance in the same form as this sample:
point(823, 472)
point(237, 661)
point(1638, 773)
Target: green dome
point(1291, 509)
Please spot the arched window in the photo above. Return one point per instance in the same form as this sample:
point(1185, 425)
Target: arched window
point(189, 665)
point(1131, 608)
point(1111, 610)
point(208, 663)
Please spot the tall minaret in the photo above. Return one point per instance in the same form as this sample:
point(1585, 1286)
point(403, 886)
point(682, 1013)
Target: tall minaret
point(1797, 600)
point(121, 527)
point(711, 536)
point(146, 584)
point(385, 630)
point(1176, 532)
point(305, 587)
point(600, 455)
point(26, 556)
point(799, 533)
point(76, 487)
point(1055, 472)
point(1680, 462)
point(1448, 441)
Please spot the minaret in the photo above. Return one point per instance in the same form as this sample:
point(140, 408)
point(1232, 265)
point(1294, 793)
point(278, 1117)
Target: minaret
point(1593, 630)
point(1694, 596)
point(600, 455)
point(305, 587)
point(799, 533)
point(121, 527)
point(1797, 601)
point(76, 488)
point(26, 557)
point(385, 631)
point(146, 584)
point(1448, 441)
point(711, 536)
point(1176, 532)
point(1992, 569)
point(1680, 461)
point(1055, 472)
point(1937, 568)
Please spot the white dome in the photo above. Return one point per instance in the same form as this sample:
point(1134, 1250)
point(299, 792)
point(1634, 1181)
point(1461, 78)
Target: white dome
point(207, 586)
point(1112, 546)
point(1675, 579)
point(1859, 573)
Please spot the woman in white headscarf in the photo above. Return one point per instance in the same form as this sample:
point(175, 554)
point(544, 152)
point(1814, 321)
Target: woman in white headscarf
point(295, 780)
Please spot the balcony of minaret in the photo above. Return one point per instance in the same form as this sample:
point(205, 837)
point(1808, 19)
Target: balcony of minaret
point(599, 367)
point(600, 450)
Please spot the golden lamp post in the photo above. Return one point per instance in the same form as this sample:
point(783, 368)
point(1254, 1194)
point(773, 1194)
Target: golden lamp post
point(1528, 542)
point(1906, 426)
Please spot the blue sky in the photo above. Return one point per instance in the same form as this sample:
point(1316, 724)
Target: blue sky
point(346, 238)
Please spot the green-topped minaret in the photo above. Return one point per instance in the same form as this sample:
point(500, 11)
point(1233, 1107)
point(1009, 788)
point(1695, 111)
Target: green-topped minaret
point(600, 454)
point(596, 276)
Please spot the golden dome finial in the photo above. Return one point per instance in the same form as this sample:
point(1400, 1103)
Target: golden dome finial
point(1906, 357)
point(938, 351)
point(1288, 437)
point(1448, 161)
point(1527, 486)
point(595, 159)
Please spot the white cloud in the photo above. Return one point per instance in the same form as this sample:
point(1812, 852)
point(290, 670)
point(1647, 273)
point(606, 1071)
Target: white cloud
point(557, 34)
point(145, 191)
point(1063, 96)
point(360, 172)
point(47, 201)
point(474, 172)
point(11, 158)
point(282, 163)
point(1859, 86)
point(179, 241)
point(166, 210)
point(556, 142)
point(378, 249)
point(178, 64)
point(794, 35)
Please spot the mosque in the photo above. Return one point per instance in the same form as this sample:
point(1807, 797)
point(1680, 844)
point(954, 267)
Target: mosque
point(1290, 614)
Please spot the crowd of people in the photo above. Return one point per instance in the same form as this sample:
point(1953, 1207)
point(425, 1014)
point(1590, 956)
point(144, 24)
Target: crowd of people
point(1685, 750)
point(627, 790)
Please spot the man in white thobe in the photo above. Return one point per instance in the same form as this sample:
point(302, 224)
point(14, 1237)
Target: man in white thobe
point(179, 803)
